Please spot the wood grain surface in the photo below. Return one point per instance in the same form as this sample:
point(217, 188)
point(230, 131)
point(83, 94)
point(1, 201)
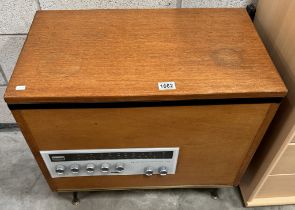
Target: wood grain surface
point(121, 55)
point(278, 186)
point(216, 142)
point(286, 163)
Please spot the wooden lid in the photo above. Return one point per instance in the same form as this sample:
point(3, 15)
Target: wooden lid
point(121, 55)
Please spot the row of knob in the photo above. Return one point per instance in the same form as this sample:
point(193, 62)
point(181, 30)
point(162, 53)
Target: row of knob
point(105, 168)
point(90, 168)
point(149, 171)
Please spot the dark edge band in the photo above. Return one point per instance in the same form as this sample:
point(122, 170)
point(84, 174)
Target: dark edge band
point(144, 103)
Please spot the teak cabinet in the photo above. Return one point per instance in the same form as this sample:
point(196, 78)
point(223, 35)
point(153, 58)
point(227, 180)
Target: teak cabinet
point(90, 80)
point(270, 179)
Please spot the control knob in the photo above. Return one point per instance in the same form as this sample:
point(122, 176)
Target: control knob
point(163, 171)
point(90, 167)
point(60, 169)
point(149, 171)
point(75, 168)
point(105, 167)
point(119, 167)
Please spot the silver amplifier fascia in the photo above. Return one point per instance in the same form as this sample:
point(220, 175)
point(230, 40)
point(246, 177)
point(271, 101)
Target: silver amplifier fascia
point(110, 162)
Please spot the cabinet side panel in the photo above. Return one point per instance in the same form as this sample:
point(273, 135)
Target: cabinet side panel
point(257, 139)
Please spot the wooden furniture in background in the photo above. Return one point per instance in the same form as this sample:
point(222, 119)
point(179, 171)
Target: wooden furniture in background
point(270, 179)
point(91, 81)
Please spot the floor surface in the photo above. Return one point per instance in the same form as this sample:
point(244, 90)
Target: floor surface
point(23, 187)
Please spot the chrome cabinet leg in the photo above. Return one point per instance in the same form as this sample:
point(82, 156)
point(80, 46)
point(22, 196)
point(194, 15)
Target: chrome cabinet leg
point(76, 200)
point(214, 193)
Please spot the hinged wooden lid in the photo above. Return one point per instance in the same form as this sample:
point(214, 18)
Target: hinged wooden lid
point(122, 55)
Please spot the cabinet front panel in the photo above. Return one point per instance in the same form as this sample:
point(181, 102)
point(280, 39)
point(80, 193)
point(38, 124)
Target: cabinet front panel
point(213, 140)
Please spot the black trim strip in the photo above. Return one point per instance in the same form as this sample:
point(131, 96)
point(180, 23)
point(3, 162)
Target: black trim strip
point(131, 104)
point(111, 156)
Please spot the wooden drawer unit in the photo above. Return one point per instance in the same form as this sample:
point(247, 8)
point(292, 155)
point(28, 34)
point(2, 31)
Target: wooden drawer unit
point(198, 81)
point(270, 177)
point(286, 164)
point(278, 186)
